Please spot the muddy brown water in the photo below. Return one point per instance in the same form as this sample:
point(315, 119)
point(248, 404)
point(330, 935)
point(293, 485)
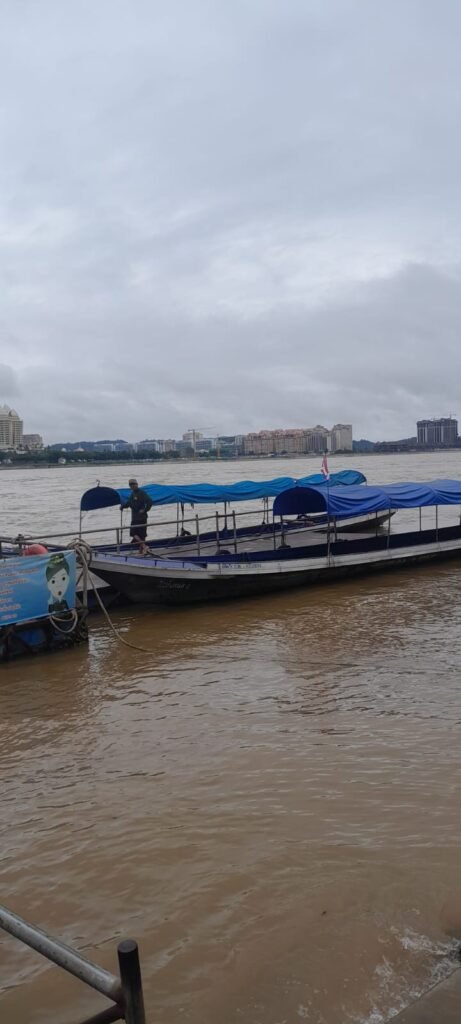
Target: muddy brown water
point(269, 802)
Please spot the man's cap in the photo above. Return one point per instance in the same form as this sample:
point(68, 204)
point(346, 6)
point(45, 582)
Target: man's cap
point(132, 480)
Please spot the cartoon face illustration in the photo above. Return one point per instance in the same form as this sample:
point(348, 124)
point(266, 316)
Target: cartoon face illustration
point(58, 583)
point(57, 577)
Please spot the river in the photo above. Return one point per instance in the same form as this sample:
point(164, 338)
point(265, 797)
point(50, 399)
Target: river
point(268, 801)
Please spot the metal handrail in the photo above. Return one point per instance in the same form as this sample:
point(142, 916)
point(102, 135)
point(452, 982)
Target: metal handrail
point(124, 991)
point(113, 529)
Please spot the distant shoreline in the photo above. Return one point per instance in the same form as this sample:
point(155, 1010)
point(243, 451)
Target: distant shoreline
point(225, 461)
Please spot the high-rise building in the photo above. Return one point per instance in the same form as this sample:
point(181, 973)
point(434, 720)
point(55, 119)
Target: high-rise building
point(10, 428)
point(341, 437)
point(438, 433)
point(318, 439)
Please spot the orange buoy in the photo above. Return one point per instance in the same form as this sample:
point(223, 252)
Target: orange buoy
point(36, 549)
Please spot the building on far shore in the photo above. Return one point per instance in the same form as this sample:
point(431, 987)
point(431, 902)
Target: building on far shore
point(33, 442)
point(293, 441)
point(405, 444)
point(11, 428)
point(341, 437)
point(438, 433)
point(299, 440)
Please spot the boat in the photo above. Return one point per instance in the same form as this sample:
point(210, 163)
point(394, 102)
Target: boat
point(326, 558)
point(226, 537)
point(193, 534)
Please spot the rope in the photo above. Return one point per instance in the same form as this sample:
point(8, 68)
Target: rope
point(120, 638)
point(72, 620)
point(82, 549)
point(84, 552)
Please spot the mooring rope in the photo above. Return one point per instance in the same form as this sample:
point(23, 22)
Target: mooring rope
point(84, 552)
point(72, 621)
point(120, 638)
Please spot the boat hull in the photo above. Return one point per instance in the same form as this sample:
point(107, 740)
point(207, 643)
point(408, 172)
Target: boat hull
point(176, 583)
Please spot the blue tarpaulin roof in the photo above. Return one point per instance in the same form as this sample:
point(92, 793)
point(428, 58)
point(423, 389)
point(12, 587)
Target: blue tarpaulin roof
point(202, 494)
point(356, 501)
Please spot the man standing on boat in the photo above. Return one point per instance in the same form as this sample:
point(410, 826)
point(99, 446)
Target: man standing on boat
point(140, 503)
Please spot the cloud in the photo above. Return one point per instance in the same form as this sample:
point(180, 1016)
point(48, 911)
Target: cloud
point(239, 216)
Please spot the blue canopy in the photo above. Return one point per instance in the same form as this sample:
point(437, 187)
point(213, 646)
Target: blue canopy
point(99, 497)
point(357, 501)
point(203, 494)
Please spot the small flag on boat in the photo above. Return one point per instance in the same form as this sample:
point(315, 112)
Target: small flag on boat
point(325, 470)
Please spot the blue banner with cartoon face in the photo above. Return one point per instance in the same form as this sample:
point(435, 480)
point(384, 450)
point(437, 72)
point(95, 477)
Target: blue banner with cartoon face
point(35, 586)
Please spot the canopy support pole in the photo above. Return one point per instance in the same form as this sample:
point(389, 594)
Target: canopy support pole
point(225, 515)
point(121, 525)
point(282, 533)
point(437, 523)
point(197, 527)
point(235, 531)
point(177, 520)
point(389, 530)
point(328, 541)
point(217, 533)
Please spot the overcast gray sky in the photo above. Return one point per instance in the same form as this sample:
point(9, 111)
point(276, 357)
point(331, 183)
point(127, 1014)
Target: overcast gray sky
point(234, 214)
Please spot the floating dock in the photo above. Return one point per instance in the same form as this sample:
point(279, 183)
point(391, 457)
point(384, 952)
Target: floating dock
point(125, 992)
point(441, 1005)
point(40, 608)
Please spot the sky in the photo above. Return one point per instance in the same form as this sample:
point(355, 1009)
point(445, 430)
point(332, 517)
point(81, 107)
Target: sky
point(229, 216)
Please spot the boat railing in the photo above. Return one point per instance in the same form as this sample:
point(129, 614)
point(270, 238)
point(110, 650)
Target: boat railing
point(225, 532)
point(224, 523)
point(125, 991)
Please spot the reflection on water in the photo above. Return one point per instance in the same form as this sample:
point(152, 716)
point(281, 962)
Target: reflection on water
point(268, 801)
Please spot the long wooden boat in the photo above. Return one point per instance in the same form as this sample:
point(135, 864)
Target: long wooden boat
point(154, 580)
point(193, 535)
point(227, 537)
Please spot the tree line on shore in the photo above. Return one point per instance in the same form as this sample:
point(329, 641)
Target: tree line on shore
point(51, 457)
